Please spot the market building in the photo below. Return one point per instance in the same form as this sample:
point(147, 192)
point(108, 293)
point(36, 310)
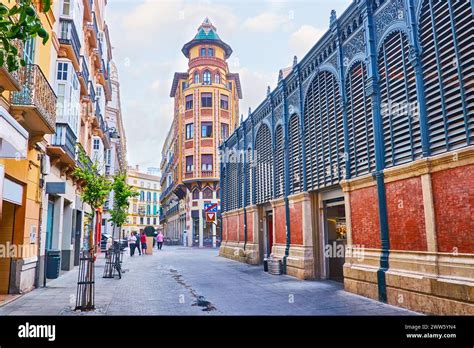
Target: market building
point(365, 146)
point(206, 108)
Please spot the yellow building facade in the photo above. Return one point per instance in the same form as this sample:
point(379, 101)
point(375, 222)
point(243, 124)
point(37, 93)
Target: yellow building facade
point(206, 109)
point(28, 105)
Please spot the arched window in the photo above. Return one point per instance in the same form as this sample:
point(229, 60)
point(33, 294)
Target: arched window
point(207, 193)
point(206, 77)
point(446, 32)
point(324, 134)
point(217, 78)
point(264, 165)
point(196, 77)
point(196, 194)
point(142, 195)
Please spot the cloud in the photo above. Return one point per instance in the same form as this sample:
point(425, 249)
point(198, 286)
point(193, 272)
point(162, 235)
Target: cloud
point(267, 22)
point(304, 38)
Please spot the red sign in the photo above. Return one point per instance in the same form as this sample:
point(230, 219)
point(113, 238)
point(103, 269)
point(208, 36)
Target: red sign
point(211, 217)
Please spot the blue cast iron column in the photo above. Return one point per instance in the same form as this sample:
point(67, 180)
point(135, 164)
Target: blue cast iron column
point(301, 123)
point(420, 85)
point(245, 164)
point(373, 90)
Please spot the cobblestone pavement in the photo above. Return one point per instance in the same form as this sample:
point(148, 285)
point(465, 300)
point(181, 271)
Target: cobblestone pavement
point(183, 281)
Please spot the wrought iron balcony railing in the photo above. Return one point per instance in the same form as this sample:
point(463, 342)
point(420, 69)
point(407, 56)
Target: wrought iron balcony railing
point(68, 36)
point(36, 101)
point(65, 138)
point(84, 73)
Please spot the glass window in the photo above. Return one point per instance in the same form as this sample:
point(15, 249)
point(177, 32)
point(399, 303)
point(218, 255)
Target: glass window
point(96, 144)
point(154, 221)
point(142, 196)
point(189, 102)
point(148, 196)
point(206, 163)
point(148, 210)
point(29, 51)
point(217, 78)
point(206, 129)
point(206, 100)
point(155, 197)
point(66, 7)
point(189, 131)
point(225, 130)
point(141, 221)
point(210, 52)
point(196, 77)
point(207, 193)
point(60, 101)
point(203, 52)
point(206, 77)
point(62, 71)
point(148, 221)
point(189, 164)
point(196, 194)
point(224, 102)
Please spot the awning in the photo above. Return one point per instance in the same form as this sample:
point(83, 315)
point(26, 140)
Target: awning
point(13, 137)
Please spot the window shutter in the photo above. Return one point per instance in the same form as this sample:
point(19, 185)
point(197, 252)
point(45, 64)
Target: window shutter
point(279, 159)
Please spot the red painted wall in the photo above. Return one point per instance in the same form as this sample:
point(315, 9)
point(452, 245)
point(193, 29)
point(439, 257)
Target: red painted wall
point(232, 228)
point(280, 224)
point(250, 227)
point(453, 195)
point(241, 226)
point(365, 217)
point(296, 228)
point(406, 219)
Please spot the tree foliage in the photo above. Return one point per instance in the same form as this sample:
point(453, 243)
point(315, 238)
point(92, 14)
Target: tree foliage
point(122, 193)
point(97, 187)
point(20, 22)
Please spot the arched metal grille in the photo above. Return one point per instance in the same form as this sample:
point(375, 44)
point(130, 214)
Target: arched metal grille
point(446, 36)
point(324, 136)
point(294, 140)
point(399, 106)
point(233, 183)
point(279, 159)
point(360, 123)
point(264, 165)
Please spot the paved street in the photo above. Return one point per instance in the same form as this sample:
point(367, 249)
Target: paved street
point(181, 281)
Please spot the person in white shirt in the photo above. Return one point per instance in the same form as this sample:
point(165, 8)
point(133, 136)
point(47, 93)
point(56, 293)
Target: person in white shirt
point(132, 240)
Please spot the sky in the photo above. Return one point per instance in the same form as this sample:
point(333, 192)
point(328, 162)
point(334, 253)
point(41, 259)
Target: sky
point(147, 37)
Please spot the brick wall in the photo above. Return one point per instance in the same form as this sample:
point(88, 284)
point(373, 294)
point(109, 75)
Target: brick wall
point(296, 228)
point(365, 217)
point(453, 195)
point(406, 219)
point(280, 224)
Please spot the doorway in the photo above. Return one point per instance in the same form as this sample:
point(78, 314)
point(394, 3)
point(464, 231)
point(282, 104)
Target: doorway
point(335, 238)
point(7, 228)
point(49, 225)
point(268, 233)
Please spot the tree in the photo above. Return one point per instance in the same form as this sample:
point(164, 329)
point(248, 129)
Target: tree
point(95, 191)
point(21, 22)
point(122, 193)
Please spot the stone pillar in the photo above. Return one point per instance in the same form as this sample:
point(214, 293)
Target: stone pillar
point(67, 257)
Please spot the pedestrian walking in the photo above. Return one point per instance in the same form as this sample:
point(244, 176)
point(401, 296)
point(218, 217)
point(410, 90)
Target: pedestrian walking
point(143, 240)
point(137, 243)
point(132, 241)
point(159, 240)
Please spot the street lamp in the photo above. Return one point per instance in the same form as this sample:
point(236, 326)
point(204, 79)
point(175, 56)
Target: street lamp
point(113, 134)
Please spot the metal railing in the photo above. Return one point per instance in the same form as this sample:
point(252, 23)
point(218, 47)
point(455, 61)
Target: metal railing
point(37, 92)
point(65, 138)
point(84, 70)
point(68, 35)
point(92, 92)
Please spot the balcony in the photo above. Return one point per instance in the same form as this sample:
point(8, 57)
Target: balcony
point(10, 81)
point(70, 45)
point(207, 174)
point(88, 6)
point(87, 163)
point(92, 31)
point(92, 95)
point(83, 76)
point(34, 107)
point(63, 145)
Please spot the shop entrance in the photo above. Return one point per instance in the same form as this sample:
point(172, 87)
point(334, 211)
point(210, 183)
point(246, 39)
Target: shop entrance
point(7, 227)
point(268, 233)
point(335, 238)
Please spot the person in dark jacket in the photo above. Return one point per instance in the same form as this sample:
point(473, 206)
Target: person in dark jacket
point(137, 244)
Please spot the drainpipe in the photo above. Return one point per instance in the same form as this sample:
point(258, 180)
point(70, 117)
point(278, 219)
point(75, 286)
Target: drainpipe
point(379, 154)
point(287, 173)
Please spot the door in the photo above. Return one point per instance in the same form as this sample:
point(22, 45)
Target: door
point(7, 227)
point(336, 238)
point(49, 225)
point(269, 234)
point(77, 238)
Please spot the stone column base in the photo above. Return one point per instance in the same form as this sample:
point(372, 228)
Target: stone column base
point(235, 251)
point(299, 263)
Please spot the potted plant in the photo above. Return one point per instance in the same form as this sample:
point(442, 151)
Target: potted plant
point(150, 236)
